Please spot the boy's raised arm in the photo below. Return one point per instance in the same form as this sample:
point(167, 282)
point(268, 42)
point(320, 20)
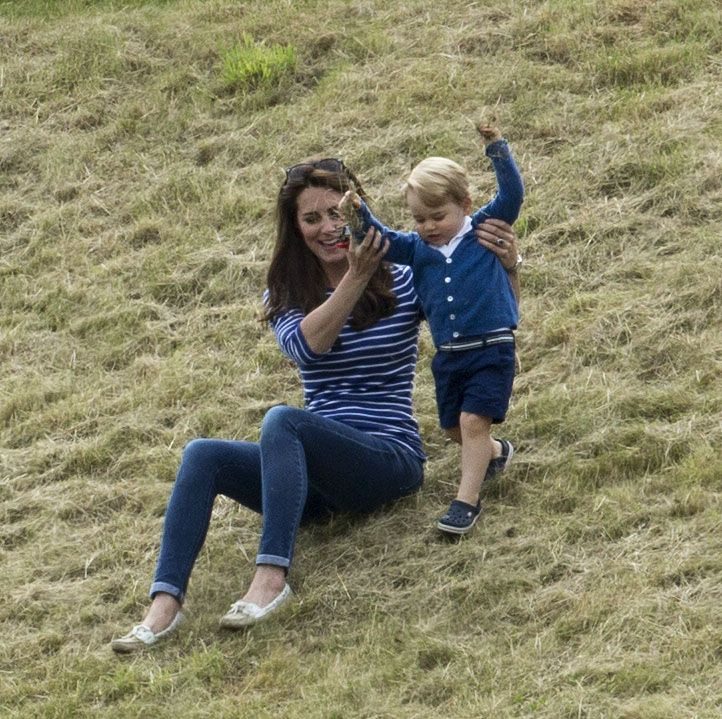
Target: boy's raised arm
point(507, 202)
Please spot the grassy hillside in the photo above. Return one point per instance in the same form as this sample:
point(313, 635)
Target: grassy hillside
point(139, 161)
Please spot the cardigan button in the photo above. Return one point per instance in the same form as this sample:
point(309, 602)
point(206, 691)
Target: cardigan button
point(449, 299)
point(447, 280)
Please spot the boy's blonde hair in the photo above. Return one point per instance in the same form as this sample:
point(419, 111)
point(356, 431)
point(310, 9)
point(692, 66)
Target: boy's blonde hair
point(437, 180)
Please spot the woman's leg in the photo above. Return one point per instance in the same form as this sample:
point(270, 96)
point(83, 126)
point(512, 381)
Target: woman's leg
point(349, 470)
point(342, 468)
point(312, 464)
point(209, 467)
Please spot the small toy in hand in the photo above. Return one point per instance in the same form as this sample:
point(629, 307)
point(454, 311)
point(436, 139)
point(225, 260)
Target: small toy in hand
point(353, 229)
point(488, 133)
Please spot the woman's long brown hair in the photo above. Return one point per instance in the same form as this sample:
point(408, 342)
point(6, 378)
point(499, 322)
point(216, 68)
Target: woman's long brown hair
point(295, 277)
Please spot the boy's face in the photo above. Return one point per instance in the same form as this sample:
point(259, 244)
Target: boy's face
point(437, 225)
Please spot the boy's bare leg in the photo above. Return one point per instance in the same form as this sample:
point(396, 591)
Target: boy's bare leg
point(477, 450)
point(454, 434)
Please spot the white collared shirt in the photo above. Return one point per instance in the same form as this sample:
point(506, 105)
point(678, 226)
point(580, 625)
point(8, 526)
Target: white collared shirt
point(448, 249)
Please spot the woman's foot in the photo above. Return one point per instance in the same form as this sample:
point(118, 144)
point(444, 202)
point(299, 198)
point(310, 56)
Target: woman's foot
point(267, 583)
point(268, 591)
point(140, 637)
point(164, 616)
point(162, 612)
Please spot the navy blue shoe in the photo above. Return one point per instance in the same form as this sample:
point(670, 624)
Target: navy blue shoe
point(498, 465)
point(460, 517)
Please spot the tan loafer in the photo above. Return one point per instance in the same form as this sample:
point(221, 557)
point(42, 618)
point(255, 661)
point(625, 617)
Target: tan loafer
point(141, 637)
point(243, 614)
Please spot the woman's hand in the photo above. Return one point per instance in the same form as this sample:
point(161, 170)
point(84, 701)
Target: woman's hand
point(321, 326)
point(364, 258)
point(499, 237)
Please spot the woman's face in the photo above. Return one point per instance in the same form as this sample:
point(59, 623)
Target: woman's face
point(321, 224)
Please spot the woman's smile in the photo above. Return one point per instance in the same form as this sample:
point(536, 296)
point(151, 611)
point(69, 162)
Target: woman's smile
point(321, 223)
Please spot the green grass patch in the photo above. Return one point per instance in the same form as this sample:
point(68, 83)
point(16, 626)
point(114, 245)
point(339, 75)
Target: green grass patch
point(250, 65)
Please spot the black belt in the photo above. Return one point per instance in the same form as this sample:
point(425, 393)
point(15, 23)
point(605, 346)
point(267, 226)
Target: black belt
point(472, 343)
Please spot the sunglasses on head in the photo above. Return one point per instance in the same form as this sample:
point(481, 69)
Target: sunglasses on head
point(330, 164)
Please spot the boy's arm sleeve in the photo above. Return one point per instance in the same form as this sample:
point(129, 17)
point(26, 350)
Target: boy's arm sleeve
point(507, 202)
point(401, 244)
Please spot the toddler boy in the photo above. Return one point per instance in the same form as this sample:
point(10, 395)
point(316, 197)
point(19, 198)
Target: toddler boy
point(470, 306)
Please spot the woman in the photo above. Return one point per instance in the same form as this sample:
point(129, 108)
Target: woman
point(350, 322)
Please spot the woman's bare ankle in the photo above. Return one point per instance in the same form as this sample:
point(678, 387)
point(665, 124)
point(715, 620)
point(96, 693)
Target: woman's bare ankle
point(267, 583)
point(162, 612)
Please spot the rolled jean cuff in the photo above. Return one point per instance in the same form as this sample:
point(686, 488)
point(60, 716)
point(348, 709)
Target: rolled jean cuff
point(168, 589)
point(274, 560)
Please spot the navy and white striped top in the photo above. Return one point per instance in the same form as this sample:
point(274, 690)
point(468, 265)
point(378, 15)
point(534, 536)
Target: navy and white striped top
point(366, 379)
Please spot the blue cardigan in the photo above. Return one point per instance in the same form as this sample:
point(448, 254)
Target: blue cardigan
point(468, 294)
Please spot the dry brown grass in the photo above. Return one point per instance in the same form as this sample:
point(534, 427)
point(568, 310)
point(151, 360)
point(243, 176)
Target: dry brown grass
point(136, 196)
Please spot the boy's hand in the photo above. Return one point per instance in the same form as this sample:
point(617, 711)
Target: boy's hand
point(349, 202)
point(348, 207)
point(488, 133)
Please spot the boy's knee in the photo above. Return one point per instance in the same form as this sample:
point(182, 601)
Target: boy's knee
point(474, 424)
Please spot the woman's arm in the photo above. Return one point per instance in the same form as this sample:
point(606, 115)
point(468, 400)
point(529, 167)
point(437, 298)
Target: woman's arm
point(499, 237)
point(321, 327)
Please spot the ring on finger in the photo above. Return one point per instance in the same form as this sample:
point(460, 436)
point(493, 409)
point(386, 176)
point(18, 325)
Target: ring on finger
point(500, 242)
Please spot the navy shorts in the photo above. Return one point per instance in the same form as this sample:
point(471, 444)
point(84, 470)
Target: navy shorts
point(478, 381)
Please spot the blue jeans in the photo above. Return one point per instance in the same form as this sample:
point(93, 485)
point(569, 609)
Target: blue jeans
point(303, 467)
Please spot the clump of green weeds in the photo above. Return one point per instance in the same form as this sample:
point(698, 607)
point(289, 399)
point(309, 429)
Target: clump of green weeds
point(249, 65)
